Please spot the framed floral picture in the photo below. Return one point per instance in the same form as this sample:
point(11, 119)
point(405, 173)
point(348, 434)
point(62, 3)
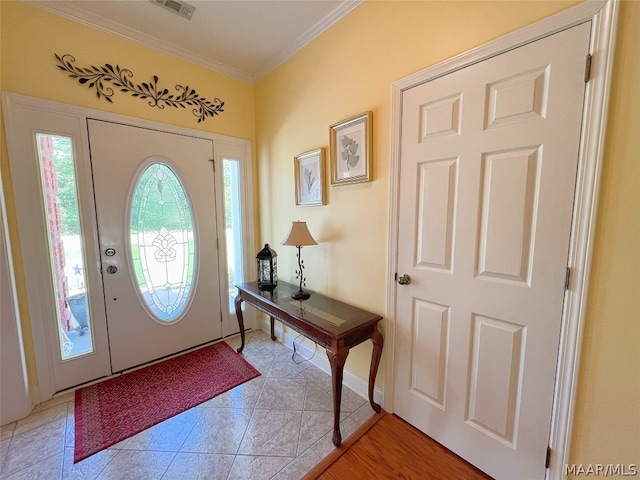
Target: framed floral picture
point(350, 146)
point(309, 175)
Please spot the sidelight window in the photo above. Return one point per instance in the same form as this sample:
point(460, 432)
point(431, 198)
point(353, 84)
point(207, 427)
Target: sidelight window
point(66, 246)
point(233, 227)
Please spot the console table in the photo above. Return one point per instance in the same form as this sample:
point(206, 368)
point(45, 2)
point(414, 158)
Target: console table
point(335, 325)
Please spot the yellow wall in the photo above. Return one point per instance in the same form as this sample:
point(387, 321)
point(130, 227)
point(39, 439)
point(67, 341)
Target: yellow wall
point(349, 70)
point(344, 72)
point(30, 37)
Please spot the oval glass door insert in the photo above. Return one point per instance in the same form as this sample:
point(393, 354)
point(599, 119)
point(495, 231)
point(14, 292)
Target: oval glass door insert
point(162, 243)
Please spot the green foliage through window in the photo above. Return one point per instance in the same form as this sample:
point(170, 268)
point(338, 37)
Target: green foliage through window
point(67, 198)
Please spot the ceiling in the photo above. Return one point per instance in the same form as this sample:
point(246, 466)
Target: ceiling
point(244, 39)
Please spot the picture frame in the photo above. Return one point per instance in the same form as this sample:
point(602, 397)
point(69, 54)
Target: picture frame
point(350, 144)
point(309, 178)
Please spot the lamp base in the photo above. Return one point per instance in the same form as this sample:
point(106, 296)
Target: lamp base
point(300, 295)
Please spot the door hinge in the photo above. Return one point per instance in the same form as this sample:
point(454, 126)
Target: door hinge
point(587, 68)
point(547, 460)
point(567, 278)
point(213, 161)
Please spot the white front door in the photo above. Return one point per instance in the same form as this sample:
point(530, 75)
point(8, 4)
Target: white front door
point(156, 210)
point(488, 169)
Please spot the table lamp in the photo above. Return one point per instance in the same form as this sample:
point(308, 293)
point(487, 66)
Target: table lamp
point(299, 236)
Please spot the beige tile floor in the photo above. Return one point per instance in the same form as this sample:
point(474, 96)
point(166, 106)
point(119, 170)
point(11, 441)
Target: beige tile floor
point(276, 426)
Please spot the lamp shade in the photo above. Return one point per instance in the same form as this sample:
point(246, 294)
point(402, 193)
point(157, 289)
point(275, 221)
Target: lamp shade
point(299, 236)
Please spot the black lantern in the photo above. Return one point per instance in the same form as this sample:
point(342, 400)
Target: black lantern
point(267, 268)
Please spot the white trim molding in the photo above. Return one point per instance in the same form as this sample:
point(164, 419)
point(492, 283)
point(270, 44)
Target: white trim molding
point(76, 13)
point(72, 11)
point(15, 401)
point(337, 14)
point(603, 17)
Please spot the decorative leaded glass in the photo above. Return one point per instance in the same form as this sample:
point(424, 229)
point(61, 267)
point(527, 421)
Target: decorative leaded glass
point(162, 242)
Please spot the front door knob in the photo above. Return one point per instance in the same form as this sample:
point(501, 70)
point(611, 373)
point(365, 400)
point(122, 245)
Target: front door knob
point(111, 269)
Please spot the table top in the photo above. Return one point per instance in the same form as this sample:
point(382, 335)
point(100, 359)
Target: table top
point(331, 316)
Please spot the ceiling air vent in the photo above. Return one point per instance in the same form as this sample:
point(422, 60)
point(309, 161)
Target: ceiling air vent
point(181, 8)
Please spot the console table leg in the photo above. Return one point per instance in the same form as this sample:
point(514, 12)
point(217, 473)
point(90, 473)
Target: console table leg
point(376, 338)
point(337, 358)
point(273, 334)
point(238, 304)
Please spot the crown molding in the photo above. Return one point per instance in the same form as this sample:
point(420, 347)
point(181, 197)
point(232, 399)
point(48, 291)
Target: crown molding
point(319, 28)
point(70, 10)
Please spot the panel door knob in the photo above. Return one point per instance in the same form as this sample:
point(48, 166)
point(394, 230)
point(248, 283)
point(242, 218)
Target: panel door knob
point(404, 279)
point(111, 269)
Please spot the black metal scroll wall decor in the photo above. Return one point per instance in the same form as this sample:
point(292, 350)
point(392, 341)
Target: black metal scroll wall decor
point(107, 78)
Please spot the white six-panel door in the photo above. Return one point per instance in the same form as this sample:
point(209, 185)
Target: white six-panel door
point(488, 167)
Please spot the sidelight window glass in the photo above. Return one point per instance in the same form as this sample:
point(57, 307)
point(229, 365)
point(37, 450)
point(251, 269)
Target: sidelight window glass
point(66, 247)
point(233, 227)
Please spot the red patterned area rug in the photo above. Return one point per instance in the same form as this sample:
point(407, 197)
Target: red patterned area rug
point(111, 411)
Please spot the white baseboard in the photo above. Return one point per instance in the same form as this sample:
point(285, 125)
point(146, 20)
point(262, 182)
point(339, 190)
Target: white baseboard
point(320, 360)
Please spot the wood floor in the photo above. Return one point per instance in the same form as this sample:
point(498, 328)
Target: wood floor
point(389, 448)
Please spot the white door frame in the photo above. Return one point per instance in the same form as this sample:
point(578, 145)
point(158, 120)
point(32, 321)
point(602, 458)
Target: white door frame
point(15, 402)
point(603, 15)
point(40, 291)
